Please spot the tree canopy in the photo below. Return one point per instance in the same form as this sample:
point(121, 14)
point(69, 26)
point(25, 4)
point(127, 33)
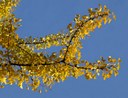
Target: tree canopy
point(21, 63)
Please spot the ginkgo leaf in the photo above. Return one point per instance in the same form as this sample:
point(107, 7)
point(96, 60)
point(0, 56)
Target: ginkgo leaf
point(3, 80)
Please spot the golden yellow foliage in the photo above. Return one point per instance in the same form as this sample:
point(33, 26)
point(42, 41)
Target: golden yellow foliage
point(20, 64)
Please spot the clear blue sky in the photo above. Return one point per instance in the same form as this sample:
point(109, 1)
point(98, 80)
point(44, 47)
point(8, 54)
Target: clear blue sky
point(42, 17)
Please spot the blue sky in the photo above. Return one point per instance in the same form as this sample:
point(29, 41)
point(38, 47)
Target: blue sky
point(42, 17)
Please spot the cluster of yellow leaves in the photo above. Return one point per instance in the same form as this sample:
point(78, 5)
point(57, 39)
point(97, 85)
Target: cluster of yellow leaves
point(8, 23)
point(59, 39)
point(106, 68)
point(50, 74)
point(6, 7)
point(20, 63)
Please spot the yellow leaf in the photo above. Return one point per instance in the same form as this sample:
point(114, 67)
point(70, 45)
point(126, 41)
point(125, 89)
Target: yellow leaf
point(118, 66)
point(88, 76)
point(119, 60)
point(111, 72)
point(16, 36)
point(3, 80)
point(20, 84)
point(109, 20)
point(116, 73)
point(114, 60)
point(104, 76)
point(108, 75)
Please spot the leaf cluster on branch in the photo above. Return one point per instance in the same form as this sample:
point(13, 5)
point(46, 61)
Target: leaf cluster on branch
point(20, 63)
